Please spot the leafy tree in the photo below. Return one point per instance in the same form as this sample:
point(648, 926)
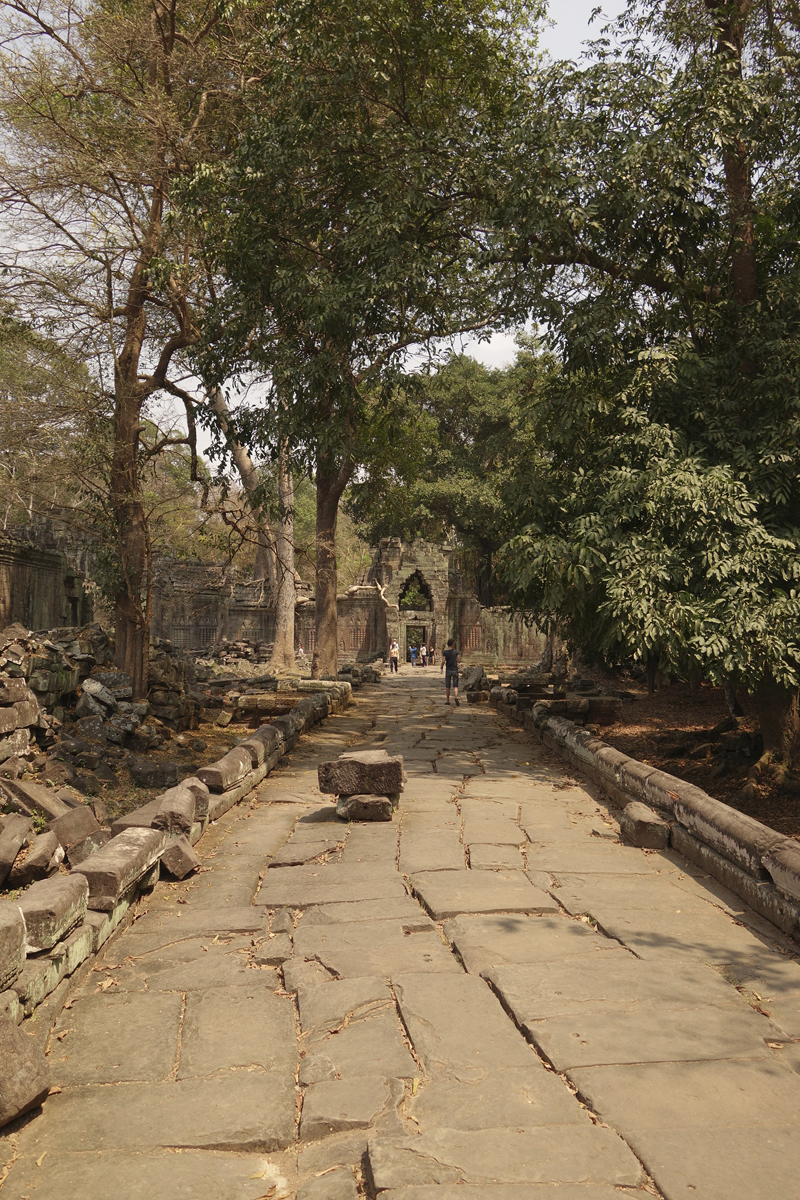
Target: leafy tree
point(660, 230)
point(349, 223)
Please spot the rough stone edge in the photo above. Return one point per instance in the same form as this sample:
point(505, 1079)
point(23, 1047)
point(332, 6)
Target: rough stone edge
point(623, 779)
point(47, 970)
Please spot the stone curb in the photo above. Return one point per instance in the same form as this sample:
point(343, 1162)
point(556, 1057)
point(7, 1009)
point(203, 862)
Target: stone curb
point(123, 868)
point(757, 863)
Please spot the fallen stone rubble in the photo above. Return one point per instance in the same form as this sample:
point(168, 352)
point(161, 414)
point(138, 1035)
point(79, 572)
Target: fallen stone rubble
point(90, 876)
point(367, 784)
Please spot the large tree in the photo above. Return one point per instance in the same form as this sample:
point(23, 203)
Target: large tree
point(659, 223)
point(349, 224)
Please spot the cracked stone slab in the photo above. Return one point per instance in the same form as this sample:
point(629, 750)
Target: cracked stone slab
point(507, 1191)
point(611, 982)
point(259, 1030)
point(426, 851)
point(483, 857)
point(369, 1046)
point(448, 893)
point(551, 1154)
point(196, 966)
point(333, 1185)
point(595, 856)
point(457, 1026)
point(375, 948)
point(722, 1164)
point(776, 988)
point(485, 941)
point(295, 853)
point(398, 908)
point(326, 1007)
point(240, 1110)
point(116, 1038)
point(341, 1105)
point(192, 1175)
point(301, 887)
point(515, 1098)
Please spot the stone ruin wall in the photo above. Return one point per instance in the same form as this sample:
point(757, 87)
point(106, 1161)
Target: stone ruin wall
point(40, 586)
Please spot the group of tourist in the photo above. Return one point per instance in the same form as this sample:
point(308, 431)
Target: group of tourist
point(427, 657)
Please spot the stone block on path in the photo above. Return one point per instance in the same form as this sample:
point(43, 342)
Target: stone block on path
point(259, 1030)
point(493, 939)
point(228, 771)
point(51, 908)
point(372, 772)
point(12, 943)
point(448, 893)
point(25, 1074)
point(519, 1097)
point(15, 830)
point(276, 949)
point(119, 864)
point(180, 858)
point(176, 811)
point(644, 827)
point(364, 808)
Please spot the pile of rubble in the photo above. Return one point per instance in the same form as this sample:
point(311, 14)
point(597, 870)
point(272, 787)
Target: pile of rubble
point(357, 673)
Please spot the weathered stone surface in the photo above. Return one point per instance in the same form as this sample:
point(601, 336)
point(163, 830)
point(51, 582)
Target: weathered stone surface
point(737, 836)
point(88, 846)
point(371, 772)
point(551, 1154)
point(8, 720)
point(148, 773)
point(374, 1045)
point(99, 692)
point(457, 1027)
point(302, 887)
point(228, 771)
point(32, 799)
point(448, 893)
point(484, 857)
point(74, 949)
point(25, 1075)
point(259, 1031)
point(220, 802)
point(275, 950)
point(37, 862)
point(338, 1105)
point(329, 1005)
point(51, 908)
point(13, 690)
point(14, 743)
point(12, 943)
point(504, 1191)
point(644, 827)
point(592, 857)
point(427, 849)
point(333, 1185)
point(364, 808)
point(74, 825)
point(180, 858)
point(125, 859)
point(118, 1038)
point(376, 948)
point(15, 831)
point(201, 795)
point(484, 941)
point(92, 728)
point(139, 818)
point(176, 811)
point(510, 1099)
point(783, 864)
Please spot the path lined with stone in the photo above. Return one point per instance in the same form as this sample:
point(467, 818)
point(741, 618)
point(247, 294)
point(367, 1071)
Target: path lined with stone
point(488, 997)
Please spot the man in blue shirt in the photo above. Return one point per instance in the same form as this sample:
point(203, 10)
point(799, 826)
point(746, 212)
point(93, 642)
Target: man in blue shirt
point(450, 661)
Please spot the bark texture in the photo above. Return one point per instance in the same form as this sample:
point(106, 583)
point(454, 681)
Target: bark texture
point(331, 481)
point(283, 650)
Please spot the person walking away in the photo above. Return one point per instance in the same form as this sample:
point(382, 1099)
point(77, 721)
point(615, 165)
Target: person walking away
point(394, 656)
point(423, 654)
point(432, 656)
point(450, 661)
point(413, 656)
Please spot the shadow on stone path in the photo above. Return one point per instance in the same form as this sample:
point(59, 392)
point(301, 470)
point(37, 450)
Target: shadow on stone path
point(491, 997)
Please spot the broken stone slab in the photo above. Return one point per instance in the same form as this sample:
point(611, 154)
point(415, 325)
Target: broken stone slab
point(99, 692)
point(337, 1184)
point(483, 857)
point(14, 743)
point(228, 771)
point(644, 827)
point(371, 772)
point(180, 858)
point(364, 808)
point(37, 863)
point(32, 799)
point(302, 887)
point(25, 1077)
point(12, 943)
point(120, 863)
point(88, 706)
point(75, 825)
point(89, 845)
point(176, 811)
point(14, 834)
point(140, 818)
point(448, 893)
point(221, 802)
point(492, 939)
point(339, 1105)
point(276, 950)
point(8, 720)
point(556, 1154)
point(51, 908)
point(374, 949)
point(783, 864)
point(739, 837)
point(27, 711)
point(259, 1031)
point(503, 1099)
point(13, 690)
point(326, 1005)
point(376, 1042)
point(201, 796)
point(147, 773)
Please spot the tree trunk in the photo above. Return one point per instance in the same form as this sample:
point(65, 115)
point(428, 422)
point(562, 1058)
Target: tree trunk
point(265, 566)
point(779, 718)
point(283, 650)
point(131, 625)
point(331, 482)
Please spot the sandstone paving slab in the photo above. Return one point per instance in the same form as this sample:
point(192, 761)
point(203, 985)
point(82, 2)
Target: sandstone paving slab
point(108, 1038)
point(583, 892)
point(327, 1007)
point(398, 908)
point(706, 937)
point(371, 843)
point(551, 1154)
point(448, 893)
point(722, 1164)
point(295, 853)
point(439, 850)
point(485, 941)
point(339, 1105)
point(457, 1027)
point(258, 1029)
point(514, 1098)
point(338, 1184)
point(508, 1191)
point(209, 966)
point(163, 927)
point(660, 1033)
point(231, 884)
point(484, 857)
point(370, 1046)
point(329, 883)
point(240, 1110)
point(382, 948)
point(775, 987)
point(142, 949)
point(192, 1175)
point(612, 982)
point(691, 1095)
point(594, 856)
point(493, 831)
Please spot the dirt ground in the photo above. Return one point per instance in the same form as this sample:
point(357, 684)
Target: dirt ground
point(664, 728)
